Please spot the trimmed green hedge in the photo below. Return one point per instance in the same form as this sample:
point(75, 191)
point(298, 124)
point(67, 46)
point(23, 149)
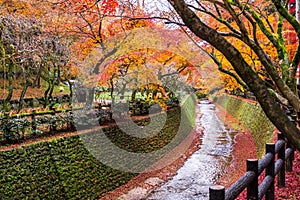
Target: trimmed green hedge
point(60, 169)
point(64, 168)
point(253, 119)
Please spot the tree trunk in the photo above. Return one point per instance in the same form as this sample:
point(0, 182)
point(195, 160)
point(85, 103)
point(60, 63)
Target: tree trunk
point(37, 81)
point(46, 94)
point(58, 78)
point(71, 92)
point(53, 81)
point(27, 84)
point(123, 91)
point(52, 85)
point(267, 102)
point(90, 96)
point(111, 81)
point(6, 105)
point(133, 95)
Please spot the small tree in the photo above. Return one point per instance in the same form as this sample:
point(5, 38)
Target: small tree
point(28, 54)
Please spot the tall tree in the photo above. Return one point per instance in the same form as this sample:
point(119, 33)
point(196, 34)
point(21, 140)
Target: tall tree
point(243, 19)
point(96, 22)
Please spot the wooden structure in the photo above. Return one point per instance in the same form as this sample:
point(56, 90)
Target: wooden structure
point(249, 181)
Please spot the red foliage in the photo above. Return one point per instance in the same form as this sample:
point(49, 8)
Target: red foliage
point(109, 6)
point(292, 7)
point(291, 191)
point(243, 149)
point(292, 185)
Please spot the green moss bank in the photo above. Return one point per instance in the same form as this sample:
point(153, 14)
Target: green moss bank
point(252, 118)
point(59, 169)
point(65, 168)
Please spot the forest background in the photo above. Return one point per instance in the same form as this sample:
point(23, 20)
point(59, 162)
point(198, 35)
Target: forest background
point(254, 45)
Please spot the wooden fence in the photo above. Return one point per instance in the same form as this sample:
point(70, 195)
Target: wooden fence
point(282, 152)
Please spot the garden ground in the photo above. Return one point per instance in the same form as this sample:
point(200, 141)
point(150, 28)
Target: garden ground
point(30, 93)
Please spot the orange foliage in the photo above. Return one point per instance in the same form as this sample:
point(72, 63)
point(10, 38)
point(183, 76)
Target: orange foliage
point(24, 8)
point(160, 62)
point(91, 26)
point(78, 6)
point(269, 18)
point(109, 6)
point(128, 23)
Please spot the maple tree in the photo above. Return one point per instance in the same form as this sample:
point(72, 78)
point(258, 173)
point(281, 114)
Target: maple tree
point(242, 20)
point(120, 38)
point(138, 69)
point(93, 23)
point(43, 32)
point(85, 26)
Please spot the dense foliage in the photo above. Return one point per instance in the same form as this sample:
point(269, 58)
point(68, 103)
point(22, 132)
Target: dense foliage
point(64, 169)
point(29, 55)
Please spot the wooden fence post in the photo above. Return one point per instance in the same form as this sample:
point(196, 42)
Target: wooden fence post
point(289, 161)
point(217, 192)
point(33, 122)
point(281, 155)
point(270, 170)
point(252, 189)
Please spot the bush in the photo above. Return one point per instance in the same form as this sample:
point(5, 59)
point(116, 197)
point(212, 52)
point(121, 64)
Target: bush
point(201, 94)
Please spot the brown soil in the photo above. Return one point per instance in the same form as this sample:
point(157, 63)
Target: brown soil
point(30, 93)
point(234, 171)
point(165, 173)
point(244, 148)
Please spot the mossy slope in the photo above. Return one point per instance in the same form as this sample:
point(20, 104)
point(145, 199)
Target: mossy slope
point(252, 118)
point(65, 169)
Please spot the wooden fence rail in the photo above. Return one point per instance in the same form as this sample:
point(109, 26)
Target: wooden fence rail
point(284, 162)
